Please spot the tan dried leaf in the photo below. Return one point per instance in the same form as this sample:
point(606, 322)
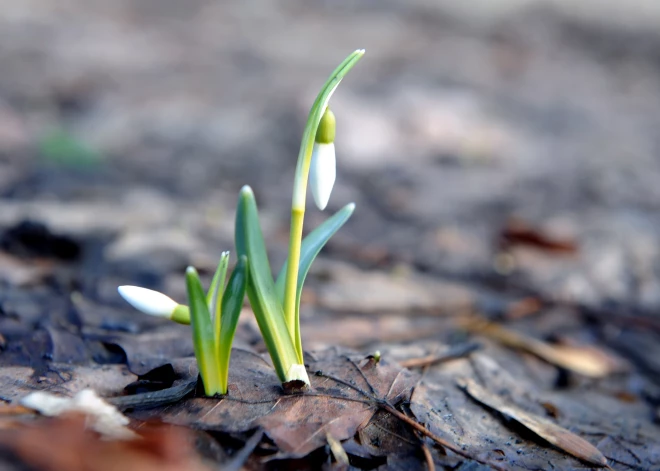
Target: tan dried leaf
point(544, 428)
point(585, 360)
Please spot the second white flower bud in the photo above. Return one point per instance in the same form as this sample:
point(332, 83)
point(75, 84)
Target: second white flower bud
point(148, 301)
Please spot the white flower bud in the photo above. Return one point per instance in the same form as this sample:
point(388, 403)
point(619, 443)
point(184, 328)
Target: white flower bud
point(148, 301)
point(322, 173)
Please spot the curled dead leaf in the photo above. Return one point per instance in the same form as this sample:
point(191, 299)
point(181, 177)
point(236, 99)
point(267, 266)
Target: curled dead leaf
point(544, 428)
point(585, 360)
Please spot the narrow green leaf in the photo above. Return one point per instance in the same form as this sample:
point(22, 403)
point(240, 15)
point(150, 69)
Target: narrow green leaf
point(261, 288)
point(232, 302)
point(214, 294)
point(311, 246)
point(202, 332)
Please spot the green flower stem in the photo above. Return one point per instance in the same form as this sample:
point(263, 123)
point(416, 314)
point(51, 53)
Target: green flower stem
point(300, 190)
point(290, 311)
point(310, 248)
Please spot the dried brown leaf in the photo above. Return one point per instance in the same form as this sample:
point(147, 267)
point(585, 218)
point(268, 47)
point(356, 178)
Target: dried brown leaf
point(519, 232)
point(18, 381)
point(298, 424)
point(544, 428)
point(64, 444)
point(585, 360)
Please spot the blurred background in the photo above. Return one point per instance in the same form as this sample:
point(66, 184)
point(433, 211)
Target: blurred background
point(496, 150)
point(504, 157)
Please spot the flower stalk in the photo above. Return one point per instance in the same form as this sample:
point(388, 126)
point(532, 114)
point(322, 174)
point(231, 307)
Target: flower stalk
point(291, 309)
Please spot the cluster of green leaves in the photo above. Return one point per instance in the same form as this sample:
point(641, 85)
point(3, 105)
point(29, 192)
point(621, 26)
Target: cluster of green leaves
point(214, 316)
point(213, 319)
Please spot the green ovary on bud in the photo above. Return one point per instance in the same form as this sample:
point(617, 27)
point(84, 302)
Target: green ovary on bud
point(325, 133)
point(323, 166)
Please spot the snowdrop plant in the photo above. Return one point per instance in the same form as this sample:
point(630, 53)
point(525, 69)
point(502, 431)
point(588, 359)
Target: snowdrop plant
point(213, 317)
point(317, 153)
point(275, 302)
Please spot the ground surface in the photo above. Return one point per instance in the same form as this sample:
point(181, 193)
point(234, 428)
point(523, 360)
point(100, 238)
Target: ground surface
point(504, 160)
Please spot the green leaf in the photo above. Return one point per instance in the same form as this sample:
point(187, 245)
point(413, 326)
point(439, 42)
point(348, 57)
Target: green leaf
point(202, 332)
point(214, 295)
point(232, 302)
point(311, 246)
point(261, 288)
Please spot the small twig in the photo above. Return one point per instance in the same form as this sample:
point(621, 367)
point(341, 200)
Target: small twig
point(457, 351)
point(361, 373)
point(241, 456)
point(349, 385)
point(430, 465)
point(388, 407)
point(297, 396)
point(427, 433)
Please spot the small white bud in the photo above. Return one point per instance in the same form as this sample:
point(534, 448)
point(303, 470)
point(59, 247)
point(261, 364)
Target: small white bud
point(148, 301)
point(322, 173)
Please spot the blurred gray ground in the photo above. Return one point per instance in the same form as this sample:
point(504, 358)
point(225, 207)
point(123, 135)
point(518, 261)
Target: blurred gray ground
point(458, 118)
point(130, 126)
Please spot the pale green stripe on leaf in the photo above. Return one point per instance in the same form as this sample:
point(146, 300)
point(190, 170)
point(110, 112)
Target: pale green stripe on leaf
point(261, 288)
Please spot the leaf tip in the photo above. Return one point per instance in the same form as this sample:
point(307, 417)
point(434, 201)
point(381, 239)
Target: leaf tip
point(246, 191)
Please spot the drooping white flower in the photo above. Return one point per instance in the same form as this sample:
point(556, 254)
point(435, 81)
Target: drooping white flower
point(323, 166)
point(148, 301)
point(322, 173)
